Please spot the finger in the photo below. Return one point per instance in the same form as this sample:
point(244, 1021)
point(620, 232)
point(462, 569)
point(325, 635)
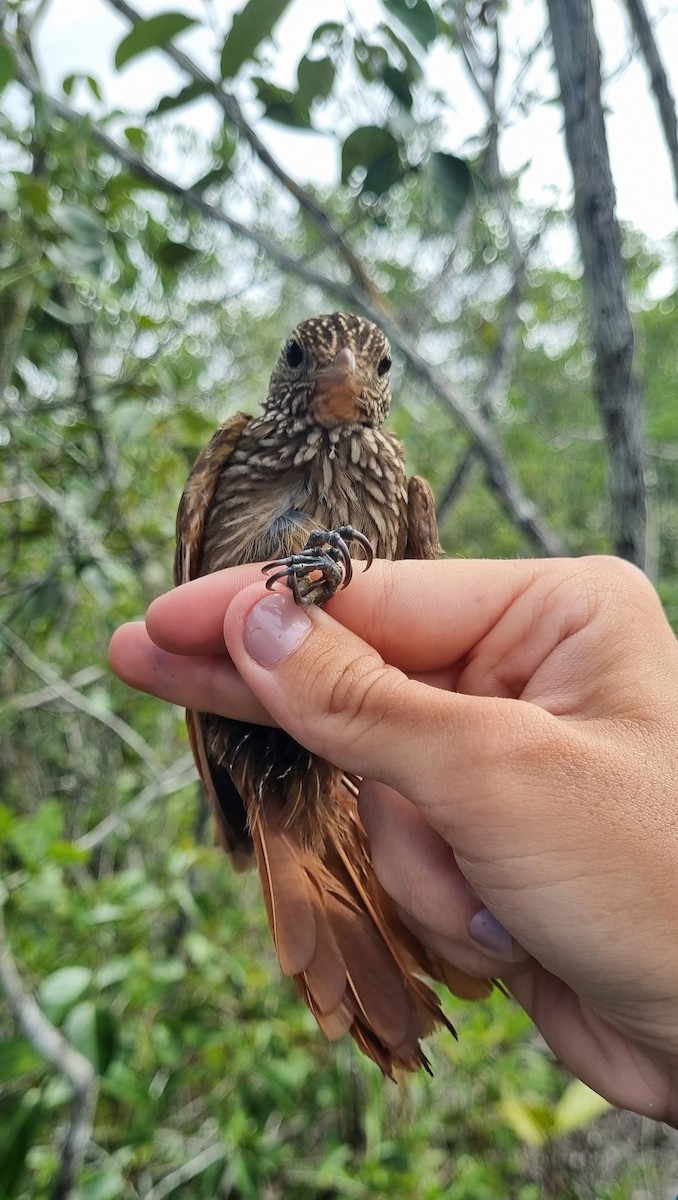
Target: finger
point(406, 853)
point(335, 694)
point(189, 619)
point(460, 603)
point(207, 683)
point(419, 871)
point(625, 1073)
point(539, 630)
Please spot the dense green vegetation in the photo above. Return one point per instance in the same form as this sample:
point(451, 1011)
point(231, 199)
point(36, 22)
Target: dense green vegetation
point(132, 324)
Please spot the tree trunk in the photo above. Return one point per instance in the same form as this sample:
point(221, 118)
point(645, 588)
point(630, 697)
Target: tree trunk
point(617, 389)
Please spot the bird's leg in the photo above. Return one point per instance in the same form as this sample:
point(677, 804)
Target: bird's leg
point(323, 567)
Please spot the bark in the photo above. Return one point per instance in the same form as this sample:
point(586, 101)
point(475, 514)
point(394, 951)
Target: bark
point(658, 80)
point(617, 389)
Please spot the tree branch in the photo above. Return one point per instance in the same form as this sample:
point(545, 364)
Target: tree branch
point(493, 392)
point(659, 81)
point(82, 678)
point(521, 510)
point(231, 109)
point(456, 484)
point(616, 385)
point(179, 776)
point(58, 1052)
point(187, 1171)
point(62, 690)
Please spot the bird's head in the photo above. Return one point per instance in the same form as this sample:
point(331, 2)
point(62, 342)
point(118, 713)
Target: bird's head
point(333, 371)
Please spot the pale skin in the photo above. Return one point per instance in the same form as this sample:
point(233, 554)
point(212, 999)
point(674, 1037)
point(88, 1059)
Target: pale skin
point(518, 724)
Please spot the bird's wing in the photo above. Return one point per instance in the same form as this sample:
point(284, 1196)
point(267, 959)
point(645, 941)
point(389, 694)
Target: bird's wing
point(422, 527)
point(191, 516)
point(336, 932)
point(197, 496)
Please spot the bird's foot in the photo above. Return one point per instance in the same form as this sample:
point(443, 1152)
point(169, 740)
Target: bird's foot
point(324, 566)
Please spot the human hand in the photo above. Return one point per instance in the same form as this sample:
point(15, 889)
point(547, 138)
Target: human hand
point(518, 722)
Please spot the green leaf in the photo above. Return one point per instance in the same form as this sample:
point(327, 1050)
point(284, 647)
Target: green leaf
point(18, 1133)
point(187, 95)
point(62, 989)
point(150, 34)
point(364, 147)
point(223, 150)
point(94, 86)
point(80, 224)
point(167, 970)
point(17, 1056)
point(416, 16)
point(398, 84)
point(32, 837)
point(7, 66)
point(532, 1123)
point(172, 254)
point(413, 66)
point(215, 175)
point(92, 83)
point(280, 105)
point(103, 1183)
point(33, 194)
point(315, 78)
point(249, 28)
point(67, 853)
point(383, 173)
point(449, 187)
point(136, 138)
point(370, 59)
point(578, 1106)
point(93, 1031)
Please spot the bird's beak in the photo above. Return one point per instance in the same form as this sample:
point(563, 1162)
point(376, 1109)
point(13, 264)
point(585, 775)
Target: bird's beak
point(338, 392)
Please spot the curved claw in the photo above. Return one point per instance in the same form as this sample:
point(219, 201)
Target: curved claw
point(277, 562)
point(345, 553)
point(339, 539)
point(366, 545)
point(300, 566)
point(273, 579)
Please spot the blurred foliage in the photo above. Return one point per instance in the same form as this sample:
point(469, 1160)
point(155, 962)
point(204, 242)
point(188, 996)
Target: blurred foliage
point(130, 327)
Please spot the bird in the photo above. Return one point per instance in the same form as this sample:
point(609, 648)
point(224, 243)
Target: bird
point(304, 487)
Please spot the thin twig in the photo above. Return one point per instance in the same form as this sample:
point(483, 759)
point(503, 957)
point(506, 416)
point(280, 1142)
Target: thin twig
point(81, 679)
point(63, 691)
point(659, 81)
point(58, 1052)
point(176, 1179)
point(456, 484)
point(179, 776)
point(493, 392)
point(521, 510)
point(231, 109)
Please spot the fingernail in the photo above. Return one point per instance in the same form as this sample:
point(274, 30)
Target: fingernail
point(493, 938)
point(274, 628)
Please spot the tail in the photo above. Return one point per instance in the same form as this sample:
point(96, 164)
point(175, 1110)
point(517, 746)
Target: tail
point(336, 932)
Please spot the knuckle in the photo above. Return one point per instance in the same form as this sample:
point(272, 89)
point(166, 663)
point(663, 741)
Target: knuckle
point(358, 704)
point(611, 575)
point(351, 691)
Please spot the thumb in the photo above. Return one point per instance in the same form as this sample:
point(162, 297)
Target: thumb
point(335, 694)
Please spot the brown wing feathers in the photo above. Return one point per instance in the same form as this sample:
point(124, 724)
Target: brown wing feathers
point(326, 937)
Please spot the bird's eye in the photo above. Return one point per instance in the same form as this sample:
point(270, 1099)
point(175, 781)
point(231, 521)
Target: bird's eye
point(385, 365)
point(294, 353)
